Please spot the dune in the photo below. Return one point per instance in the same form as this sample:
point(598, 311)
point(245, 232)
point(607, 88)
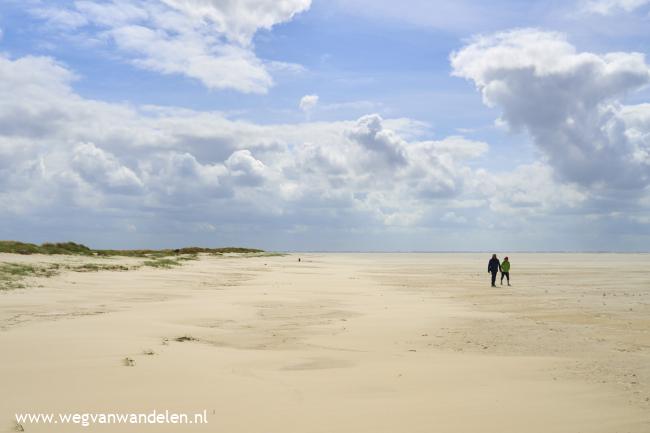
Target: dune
point(334, 343)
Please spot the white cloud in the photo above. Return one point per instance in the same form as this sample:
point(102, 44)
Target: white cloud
point(308, 103)
point(104, 169)
point(245, 168)
point(162, 169)
point(460, 147)
point(637, 123)
point(608, 7)
point(570, 102)
point(384, 143)
point(528, 190)
point(240, 20)
point(207, 40)
point(219, 67)
point(177, 178)
point(83, 154)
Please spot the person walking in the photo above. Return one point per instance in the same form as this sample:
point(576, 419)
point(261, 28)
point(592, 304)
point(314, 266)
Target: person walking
point(493, 267)
point(505, 270)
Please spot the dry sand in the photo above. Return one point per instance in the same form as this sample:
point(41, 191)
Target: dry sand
point(336, 343)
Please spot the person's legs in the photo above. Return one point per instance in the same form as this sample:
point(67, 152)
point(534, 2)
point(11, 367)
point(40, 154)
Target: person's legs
point(507, 277)
point(494, 279)
point(502, 275)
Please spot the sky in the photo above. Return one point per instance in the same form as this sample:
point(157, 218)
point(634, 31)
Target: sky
point(308, 125)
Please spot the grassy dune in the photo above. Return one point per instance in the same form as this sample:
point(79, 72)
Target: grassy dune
point(72, 248)
point(13, 275)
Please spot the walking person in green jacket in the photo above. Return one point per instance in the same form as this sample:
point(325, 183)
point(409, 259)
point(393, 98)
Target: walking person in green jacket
point(505, 270)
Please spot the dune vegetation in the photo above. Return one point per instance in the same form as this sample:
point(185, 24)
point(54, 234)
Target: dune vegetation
point(72, 248)
point(13, 275)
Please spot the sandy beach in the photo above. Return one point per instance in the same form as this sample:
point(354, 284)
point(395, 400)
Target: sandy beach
point(334, 343)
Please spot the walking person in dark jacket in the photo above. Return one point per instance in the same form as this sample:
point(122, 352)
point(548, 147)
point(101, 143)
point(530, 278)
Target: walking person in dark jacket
point(493, 267)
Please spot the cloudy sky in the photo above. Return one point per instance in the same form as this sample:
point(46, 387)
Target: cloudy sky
point(327, 125)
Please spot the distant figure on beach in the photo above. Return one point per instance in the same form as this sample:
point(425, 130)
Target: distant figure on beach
point(298, 258)
point(505, 270)
point(493, 267)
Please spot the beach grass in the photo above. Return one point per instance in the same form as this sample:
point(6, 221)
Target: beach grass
point(96, 267)
point(72, 248)
point(12, 274)
point(162, 263)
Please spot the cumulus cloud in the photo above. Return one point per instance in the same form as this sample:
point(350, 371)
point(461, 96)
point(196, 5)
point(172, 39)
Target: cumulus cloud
point(240, 20)
point(637, 130)
point(207, 40)
point(529, 190)
point(33, 81)
point(175, 178)
point(570, 102)
point(101, 167)
point(62, 154)
point(86, 155)
point(308, 103)
point(245, 168)
point(459, 147)
point(607, 7)
point(384, 143)
point(166, 169)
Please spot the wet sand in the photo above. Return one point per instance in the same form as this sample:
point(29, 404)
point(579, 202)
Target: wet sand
point(336, 343)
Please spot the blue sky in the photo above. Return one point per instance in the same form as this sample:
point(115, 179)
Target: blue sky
point(426, 125)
